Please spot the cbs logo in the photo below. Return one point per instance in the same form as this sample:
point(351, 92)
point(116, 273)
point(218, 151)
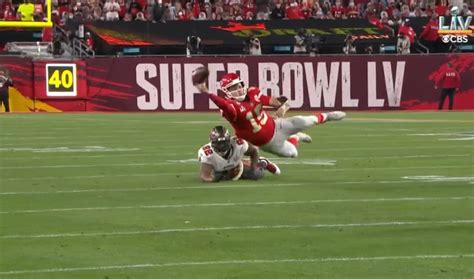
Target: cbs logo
point(454, 39)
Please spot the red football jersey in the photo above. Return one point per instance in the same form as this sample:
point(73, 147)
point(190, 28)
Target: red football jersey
point(250, 121)
point(338, 12)
point(450, 79)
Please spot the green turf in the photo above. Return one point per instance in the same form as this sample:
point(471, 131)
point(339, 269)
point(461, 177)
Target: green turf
point(139, 211)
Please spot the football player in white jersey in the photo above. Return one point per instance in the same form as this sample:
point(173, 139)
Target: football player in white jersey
point(223, 159)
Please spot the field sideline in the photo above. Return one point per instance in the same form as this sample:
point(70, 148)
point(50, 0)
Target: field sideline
point(378, 195)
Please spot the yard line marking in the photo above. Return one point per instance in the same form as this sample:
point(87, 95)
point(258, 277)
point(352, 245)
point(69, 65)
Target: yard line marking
point(231, 204)
point(86, 166)
point(406, 120)
point(229, 186)
point(195, 173)
point(112, 155)
point(17, 146)
point(236, 262)
point(228, 228)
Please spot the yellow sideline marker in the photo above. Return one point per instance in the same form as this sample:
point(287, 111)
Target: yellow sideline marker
point(31, 24)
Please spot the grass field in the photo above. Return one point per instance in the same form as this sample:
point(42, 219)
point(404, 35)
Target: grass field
point(378, 195)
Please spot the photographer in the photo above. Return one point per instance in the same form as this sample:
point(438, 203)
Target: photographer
point(193, 45)
point(252, 46)
point(403, 44)
point(300, 42)
point(5, 83)
point(349, 47)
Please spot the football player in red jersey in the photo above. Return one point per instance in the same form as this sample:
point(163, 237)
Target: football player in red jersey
point(243, 108)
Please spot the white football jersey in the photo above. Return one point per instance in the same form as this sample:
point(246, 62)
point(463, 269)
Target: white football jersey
point(207, 155)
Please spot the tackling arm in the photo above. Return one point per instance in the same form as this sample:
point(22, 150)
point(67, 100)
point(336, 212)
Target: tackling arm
point(207, 173)
point(252, 152)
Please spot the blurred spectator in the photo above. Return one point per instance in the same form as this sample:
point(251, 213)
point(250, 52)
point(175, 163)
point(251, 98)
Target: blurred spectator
point(337, 11)
point(135, 7)
point(47, 34)
point(293, 11)
point(442, 8)
point(9, 13)
point(127, 17)
point(193, 45)
point(89, 41)
point(465, 10)
point(123, 8)
point(5, 83)
point(430, 34)
point(111, 10)
point(252, 46)
point(140, 17)
point(352, 10)
point(349, 47)
point(300, 42)
point(26, 11)
point(403, 44)
point(407, 30)
point(369, 50)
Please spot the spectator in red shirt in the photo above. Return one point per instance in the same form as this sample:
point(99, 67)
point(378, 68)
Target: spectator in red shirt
point(9, 13)
point(407, 30)
point(352, 10)
point(442, 8)
point(123, 8)
point(196, 9)
point(250, 7)
point(430, 33)
point(135, 7)
point(451, 81)
point(47, 34)
point(89, 41)
point(293, 11)
point(338, 10)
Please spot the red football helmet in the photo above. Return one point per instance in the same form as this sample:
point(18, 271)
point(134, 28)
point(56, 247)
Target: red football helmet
point(233, 86)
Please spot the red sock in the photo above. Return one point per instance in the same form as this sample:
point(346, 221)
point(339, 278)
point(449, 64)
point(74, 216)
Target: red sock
point(321, 117)
point(293, 140)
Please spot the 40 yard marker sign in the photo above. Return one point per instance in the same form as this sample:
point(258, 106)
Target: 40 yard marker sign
point(61, 80)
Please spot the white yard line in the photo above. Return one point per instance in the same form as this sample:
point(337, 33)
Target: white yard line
point(243, 228)
point(228, 186)
point(321, 169)
point(236, 204)
point(201, 186)
point(237, 262)
point(184, 143)
point(113, 155)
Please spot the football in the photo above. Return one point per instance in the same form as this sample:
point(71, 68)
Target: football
point(200, 75)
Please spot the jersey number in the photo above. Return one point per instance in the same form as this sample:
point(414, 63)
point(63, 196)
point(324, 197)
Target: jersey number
point(207, 150)
point(257, 118)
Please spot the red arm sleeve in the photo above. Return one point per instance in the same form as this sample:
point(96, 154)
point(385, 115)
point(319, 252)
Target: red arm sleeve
point(426, 29)
point(458, 80)
point(265, 100)
point(227, 107)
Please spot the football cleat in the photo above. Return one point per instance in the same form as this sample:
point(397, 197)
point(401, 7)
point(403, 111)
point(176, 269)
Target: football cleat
point(269, 166)
point(304, 137)
point(335, 115)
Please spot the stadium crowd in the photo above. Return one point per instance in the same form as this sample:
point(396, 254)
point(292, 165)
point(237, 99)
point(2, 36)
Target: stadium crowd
point(167, 10)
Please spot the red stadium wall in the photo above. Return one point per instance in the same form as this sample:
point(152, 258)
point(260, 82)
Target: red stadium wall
point(376, 82)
